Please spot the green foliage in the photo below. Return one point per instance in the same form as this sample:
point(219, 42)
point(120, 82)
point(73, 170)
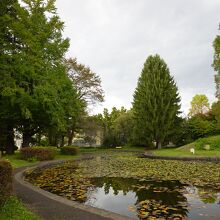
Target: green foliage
point(199, 105)
point(92, 129)
point(216, 64)
point(15, 210)
point(89, 91)
point(123, 128)
point(88, 83)
point(156, 102)
point(202, 126)
point(69, 150)
point(36, 94)
point(117, 126)
point(181, 134)
point(209, 143)
point(5, 181)
point(16, 160)
point(32, 153)
point(215, 111)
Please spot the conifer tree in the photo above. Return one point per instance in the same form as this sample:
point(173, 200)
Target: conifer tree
point(156, 102)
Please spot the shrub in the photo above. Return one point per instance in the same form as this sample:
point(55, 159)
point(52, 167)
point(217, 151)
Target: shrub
point(69, 150)
point(33, 153)
point(5, 181)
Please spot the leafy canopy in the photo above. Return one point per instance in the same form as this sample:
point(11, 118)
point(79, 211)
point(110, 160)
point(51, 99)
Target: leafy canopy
point(199, 105)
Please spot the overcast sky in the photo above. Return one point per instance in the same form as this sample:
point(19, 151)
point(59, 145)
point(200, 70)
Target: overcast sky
point(114, 38)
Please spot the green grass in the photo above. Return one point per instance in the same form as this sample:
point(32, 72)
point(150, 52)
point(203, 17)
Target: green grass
point(106, 149)
point(184, 151)
point(177, 152)
point(17, 162)
point(15, 210)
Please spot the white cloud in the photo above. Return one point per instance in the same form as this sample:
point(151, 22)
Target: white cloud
point(115, 37)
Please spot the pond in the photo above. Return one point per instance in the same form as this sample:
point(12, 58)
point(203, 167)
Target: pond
point(138, 188)
point(141, 199)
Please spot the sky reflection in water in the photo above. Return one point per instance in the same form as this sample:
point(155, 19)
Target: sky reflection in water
point(140, 199)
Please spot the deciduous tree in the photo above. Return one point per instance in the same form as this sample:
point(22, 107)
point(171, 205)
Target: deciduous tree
point(199, 105)
point(88, 86)
point(216, 64)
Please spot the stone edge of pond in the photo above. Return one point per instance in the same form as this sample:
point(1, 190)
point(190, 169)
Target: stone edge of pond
point(198, 159)
point(19, 177)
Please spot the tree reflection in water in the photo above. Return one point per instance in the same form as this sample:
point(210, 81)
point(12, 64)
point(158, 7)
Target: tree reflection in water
point(159, 199)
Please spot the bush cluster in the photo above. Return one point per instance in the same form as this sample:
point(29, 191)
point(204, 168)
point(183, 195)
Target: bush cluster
point(211, 143)
point(5, 181)
point(32, 153)
point(69, 150)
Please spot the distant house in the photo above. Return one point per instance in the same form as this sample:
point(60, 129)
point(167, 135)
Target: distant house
point(88, 140)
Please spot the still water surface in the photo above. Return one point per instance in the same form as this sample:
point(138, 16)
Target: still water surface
point(142, 199)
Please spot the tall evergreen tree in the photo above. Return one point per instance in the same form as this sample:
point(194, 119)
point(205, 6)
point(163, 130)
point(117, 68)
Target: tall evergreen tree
point(156, 102)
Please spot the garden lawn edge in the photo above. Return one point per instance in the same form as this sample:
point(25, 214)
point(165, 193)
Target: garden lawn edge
point(53, 207)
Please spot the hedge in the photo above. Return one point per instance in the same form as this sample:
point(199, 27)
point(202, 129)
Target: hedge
point(5, 181)
point(31, 153)
point(69, 150)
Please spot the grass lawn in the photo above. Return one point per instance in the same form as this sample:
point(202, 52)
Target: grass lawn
point(15, 210)
point(198, 145)
point(105, 149)
point(17, 162)
point(179, 152)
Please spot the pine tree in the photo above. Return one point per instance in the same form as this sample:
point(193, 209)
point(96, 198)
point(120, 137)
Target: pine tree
point(156, 102)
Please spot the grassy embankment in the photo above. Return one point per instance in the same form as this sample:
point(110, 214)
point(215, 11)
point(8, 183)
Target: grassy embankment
point(204, 147)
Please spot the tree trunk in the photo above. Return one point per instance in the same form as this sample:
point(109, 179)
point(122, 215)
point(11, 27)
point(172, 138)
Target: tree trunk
point(56, 141)
point(39, 135)
point(70, 137)
point(26, 139)
point(158, 145)
point(10, 140)
point(62, 141)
